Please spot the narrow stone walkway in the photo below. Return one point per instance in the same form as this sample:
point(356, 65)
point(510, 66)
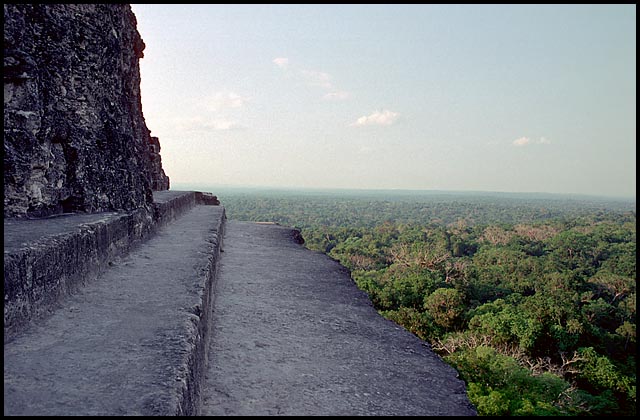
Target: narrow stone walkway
point(127, 343)
point(292, 335)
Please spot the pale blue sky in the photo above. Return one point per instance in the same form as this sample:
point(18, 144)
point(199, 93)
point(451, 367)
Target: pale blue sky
point(517, 98)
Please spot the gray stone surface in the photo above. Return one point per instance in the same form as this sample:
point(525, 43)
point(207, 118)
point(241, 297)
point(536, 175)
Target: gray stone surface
point(49, 258)
point(130, 343)
point(75, 138)
point(45, 260)
point(294, 336)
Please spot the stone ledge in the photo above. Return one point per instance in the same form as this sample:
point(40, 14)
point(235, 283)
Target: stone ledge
point(294, 336)
point(168, 205)
point(134, 342)
point(193, 366)
point(207, 199)
point(48, 259)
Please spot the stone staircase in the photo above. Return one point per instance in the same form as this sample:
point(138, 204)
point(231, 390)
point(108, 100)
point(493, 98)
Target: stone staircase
point(108, 314)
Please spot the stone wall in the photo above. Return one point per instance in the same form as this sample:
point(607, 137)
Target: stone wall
point(46, 260)
point(75, 138)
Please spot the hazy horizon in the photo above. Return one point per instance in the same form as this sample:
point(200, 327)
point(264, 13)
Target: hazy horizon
point(468, 98)
point(223, 188)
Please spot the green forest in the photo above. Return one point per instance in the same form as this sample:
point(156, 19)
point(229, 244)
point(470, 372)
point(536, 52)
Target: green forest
point(531, 297)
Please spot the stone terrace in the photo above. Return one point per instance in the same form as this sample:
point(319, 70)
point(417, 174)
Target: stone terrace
point(139, 313)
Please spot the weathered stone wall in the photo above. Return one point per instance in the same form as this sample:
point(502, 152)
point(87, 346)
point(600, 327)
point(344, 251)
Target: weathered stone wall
point(75, 138)
point(159, 180)
point(46, 260)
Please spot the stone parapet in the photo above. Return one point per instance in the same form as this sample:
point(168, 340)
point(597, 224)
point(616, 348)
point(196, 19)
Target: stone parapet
point(132, 342)
point(48, 259)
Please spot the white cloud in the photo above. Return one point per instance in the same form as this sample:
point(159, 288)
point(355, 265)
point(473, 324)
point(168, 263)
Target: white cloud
point(225, 100)
point(315, 78)
point(522, 141)
point(216, 112)
point(318, 78)
point(218, 124)
point(385, 117)
point(200, 124)
point(339, 95)
point(281, 62)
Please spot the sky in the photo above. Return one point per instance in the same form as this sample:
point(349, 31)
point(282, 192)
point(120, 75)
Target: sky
point(509, 98)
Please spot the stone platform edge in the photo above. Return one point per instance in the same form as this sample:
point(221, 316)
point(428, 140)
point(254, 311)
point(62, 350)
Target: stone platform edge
point(39, 274)
point(192, 367)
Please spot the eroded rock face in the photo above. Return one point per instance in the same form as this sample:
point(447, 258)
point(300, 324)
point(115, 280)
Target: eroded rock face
point(159, 180)
point(75, 138)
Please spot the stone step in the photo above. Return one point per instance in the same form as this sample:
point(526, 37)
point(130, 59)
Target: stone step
point(293, 335)
point(131, 341)
point(47, 259)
